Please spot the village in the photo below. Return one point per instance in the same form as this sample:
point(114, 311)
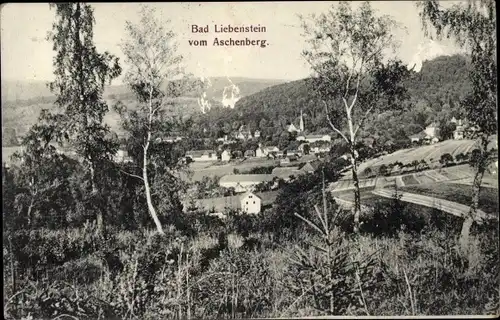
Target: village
point(252, 193)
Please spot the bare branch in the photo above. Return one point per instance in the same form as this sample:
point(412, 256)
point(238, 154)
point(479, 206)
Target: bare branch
point(332, 125)
point(362, 120)
point(132, 175)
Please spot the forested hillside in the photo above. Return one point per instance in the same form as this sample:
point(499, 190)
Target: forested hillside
point(435, 94)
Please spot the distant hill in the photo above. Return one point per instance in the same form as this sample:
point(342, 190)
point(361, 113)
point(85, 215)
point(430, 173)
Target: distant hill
point(22, 101)
point(26, 92)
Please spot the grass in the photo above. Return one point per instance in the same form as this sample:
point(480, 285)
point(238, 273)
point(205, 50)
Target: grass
point(409, 179)
point(488, 197)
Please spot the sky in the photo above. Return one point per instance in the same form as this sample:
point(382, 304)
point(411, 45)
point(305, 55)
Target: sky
point(26, 55)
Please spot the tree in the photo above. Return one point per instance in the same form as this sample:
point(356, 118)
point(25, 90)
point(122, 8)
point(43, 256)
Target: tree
point(307, 149)
point(446, 129)
point(352, 80)
point(415, 164)
point(81, 74)
point(446, 159)
point(40, 177)
point(473, 26)
point(368, 171)
point(383, 170)
point(155, 76)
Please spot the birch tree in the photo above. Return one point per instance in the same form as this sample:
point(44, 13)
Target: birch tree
point(473, 26)
point(80, 76)
point(155, 76)
point(347, 53)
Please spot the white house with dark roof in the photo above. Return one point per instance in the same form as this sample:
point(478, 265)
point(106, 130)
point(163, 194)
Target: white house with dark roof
point(202, 155)
point(244, 182)
point(250, 203)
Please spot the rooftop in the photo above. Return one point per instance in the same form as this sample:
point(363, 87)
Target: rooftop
point(257, 178)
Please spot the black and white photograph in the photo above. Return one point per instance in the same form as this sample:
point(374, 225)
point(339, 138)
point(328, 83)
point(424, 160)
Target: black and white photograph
point(249, 159)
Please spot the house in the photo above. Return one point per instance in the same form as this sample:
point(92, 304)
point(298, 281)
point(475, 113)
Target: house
point(262, 152)
point(244, 182)
point(226, 155)
point(226, 142)
point(314, 138)
point(434, 140)
point(302, 147)
point(320, 149)
point(171, 139)
point(202, 155)
point(238, 203)
point(122, 156)
point(310, 166)
point(249, 154)
point(432, 131)
point(417, 137)
point(284, 161)
point(256, 134)
point(222, 139)
point(287, 160)
point(292, 128)
point(293, 153)
point(243, 133)
point(250, 203)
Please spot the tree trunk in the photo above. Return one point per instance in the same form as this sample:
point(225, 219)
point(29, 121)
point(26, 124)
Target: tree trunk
point(96, 202)
point(357, 196)
point(480, 167)
point(464, 235)
point(30, 208)
point(354, 168)
point(149, 200)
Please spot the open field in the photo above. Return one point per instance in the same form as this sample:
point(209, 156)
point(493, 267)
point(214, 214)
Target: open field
point(488, 197)
point(218, 169)
point(430, 153)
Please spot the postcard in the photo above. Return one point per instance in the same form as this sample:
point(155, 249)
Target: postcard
point(306, 159)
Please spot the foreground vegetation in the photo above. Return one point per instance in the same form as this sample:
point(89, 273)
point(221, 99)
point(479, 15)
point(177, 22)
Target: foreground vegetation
point(403, 263)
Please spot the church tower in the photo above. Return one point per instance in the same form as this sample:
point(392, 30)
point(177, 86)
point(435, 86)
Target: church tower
point(301, 124)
